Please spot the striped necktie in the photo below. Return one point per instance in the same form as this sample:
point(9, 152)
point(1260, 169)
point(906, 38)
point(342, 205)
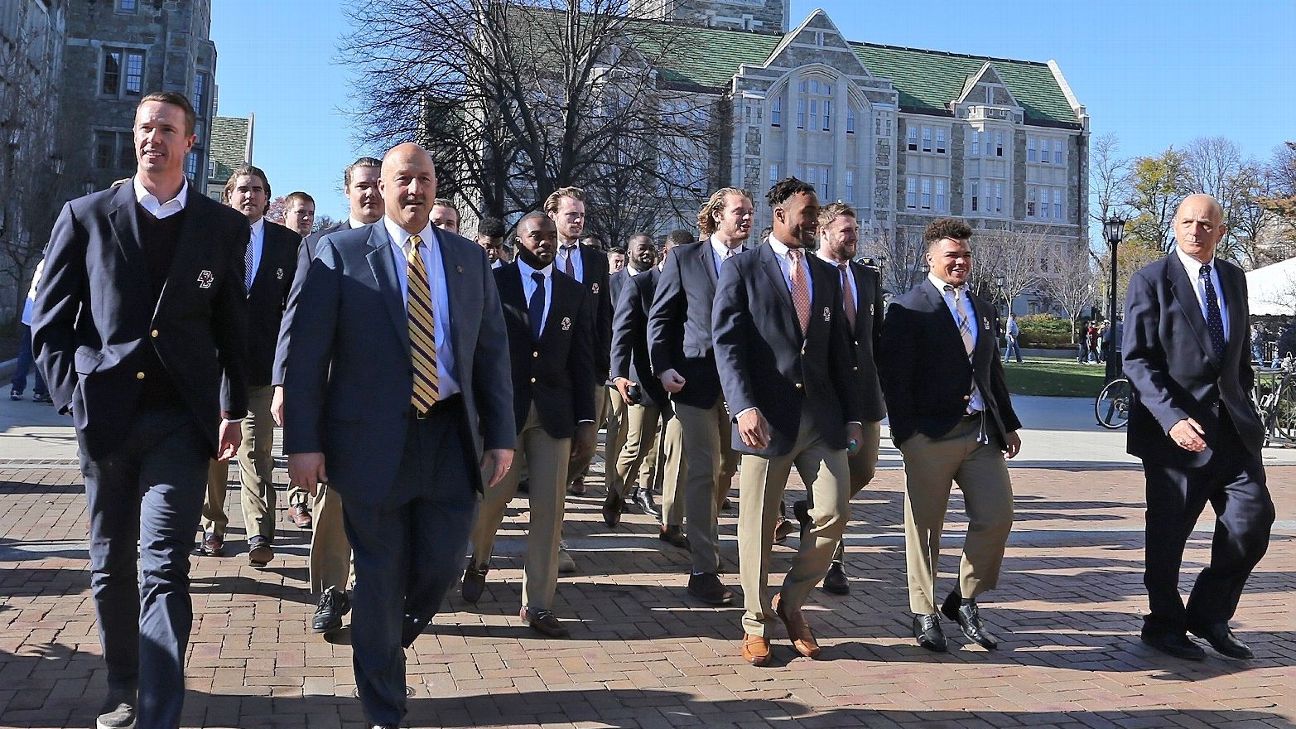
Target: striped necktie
point(247, 268)
point(848, 296)
point(964, 324)
point(422, 329)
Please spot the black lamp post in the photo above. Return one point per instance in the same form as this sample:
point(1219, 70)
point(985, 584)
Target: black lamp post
point(999, 293)
point(1113, 231)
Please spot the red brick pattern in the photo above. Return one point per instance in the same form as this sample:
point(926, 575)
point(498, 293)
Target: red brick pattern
point(644, 655)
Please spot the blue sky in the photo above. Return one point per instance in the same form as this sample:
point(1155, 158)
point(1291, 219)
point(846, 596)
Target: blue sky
point(1154, 72)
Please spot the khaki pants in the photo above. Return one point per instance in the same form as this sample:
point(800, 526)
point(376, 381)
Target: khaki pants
point(331, 567)
point(638, 456)
point(707, 457)
point(761, 482)
point(256, 473)
point(668, 471)
point(580, 469)
point(931, 469)
point(862, 467)
point(546, 460)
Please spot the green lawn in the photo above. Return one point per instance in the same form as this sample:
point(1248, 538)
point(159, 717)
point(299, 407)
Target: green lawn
point(1054, 378)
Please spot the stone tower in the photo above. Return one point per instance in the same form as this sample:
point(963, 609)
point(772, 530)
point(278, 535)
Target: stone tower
point(761, 16)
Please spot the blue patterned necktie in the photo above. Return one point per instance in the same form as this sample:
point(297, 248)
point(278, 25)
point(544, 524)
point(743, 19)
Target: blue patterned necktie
point(1214, 320)
point(536, 307)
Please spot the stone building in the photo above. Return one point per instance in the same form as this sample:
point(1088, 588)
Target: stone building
point(117, 51)
point(231, 146)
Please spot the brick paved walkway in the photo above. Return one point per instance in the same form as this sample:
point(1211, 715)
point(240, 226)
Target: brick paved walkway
point(643, 655)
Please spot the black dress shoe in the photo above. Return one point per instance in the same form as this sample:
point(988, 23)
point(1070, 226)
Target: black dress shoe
point(709, 589)
point(927, 630)
point(474, 581)
point(674, 536)
point(968, 617)
point(835, 581)
point(118, 710)
point(613, 505)
point(1173, 644)
point(1221, 639)
point(333, 604)
point(643, 498)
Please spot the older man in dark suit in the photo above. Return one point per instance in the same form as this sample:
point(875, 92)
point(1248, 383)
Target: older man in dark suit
point(953, 421)
point(862, 307)
point(785, 363)
point(139, 317)
point(270, 264)
point(400, 379)
point(1193, 424)
point(330, 553)
point(549, 319)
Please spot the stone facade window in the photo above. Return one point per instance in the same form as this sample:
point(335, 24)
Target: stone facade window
point(127, 6)
point(122, 72)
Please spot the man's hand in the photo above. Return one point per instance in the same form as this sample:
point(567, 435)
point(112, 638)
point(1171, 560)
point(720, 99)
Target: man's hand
point(753, 428)
point(672, 381)
point(583, 441)
point(496, 462)
point(231, 435)
point(276, 405)
point(1187, 434)
point(1012, 444)
point(306, 471)
point(854, 437)
point(623, 386)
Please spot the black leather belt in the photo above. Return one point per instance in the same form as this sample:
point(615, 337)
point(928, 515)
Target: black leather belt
point(449, 403)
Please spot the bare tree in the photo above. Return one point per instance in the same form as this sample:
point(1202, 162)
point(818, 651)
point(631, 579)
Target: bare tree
point(516, 98)
point(901, 256)
point(1072, 284)
point(1011, 258)
point(323, 221)
point(1110, 178)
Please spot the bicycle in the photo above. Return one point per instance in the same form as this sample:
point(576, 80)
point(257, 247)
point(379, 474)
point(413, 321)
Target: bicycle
point(1112, 406)
point(1274, 397)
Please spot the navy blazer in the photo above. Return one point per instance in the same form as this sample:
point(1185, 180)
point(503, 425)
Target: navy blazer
point(926, 374)
point(765, 361)
point(616, 282)
point(95, 314)
point(630, 337)
point(268, 299)
point(867, 337)
point(305, 254)
point(1170, 362)
point(348, 377)
point(595, 265)
point(554, 371)
point(679, 323)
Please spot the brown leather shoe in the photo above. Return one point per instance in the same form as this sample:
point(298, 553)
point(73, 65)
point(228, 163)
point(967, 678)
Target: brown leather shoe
point(260, 554)
point(213, 545)
point(782, 529)
point(756, 650)
point(802, 639)
point(300, 515)
point(673, 536)
point(577, 487)
point(544, 622)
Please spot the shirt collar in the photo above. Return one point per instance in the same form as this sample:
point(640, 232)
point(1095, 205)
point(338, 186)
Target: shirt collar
point(355, 223)
point(780, 247)
point(527, 270)
point(146, 198)
point(1192, 265)
point(258, 228)
point(570, 246)
point(721, 249)
point(399, 235)
point(940, 285)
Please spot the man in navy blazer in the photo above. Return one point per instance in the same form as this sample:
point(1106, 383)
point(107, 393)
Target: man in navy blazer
point(330, 553)
point(549, 317)
point(397, 394)
point(271, 262)
point(785, 363)
point(953, 421)
point(683, 360)
point(139, 317)
point(1186, 353)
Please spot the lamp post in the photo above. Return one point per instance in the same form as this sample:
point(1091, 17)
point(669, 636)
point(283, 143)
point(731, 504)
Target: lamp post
point(999, 293)
point(1113, 231)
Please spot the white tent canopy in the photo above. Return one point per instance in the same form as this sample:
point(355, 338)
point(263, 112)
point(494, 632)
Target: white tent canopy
point(1272, 289)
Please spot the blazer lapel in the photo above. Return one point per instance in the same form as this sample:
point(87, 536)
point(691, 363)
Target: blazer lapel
point(454, 263)
point(1181, 288)
point(511, 292)
point(1235, 291)
point(706, 259)
point(949, 326)
point(382, 264)
point(125, 223)
point(774, 272)
point(191, 246)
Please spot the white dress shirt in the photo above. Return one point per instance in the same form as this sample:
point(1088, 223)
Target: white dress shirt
point(355, 223)
point(574, 252)
point(157, 208)
point(430, 250)
point(977, 403)
point(1193, 268)
point(529, 287)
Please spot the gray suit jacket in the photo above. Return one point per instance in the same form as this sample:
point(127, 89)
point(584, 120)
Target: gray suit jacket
point(348, 379)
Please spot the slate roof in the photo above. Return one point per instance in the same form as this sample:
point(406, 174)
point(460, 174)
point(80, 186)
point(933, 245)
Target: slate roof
point(228, 145)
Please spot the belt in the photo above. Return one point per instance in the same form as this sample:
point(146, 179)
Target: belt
point(452, 402)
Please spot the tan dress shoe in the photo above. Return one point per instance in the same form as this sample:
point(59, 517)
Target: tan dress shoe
point(756, 650)
point(798, 630)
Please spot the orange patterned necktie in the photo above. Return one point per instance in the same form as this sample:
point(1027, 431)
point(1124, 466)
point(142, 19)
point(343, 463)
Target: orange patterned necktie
point(422, 329)
point(800, 290)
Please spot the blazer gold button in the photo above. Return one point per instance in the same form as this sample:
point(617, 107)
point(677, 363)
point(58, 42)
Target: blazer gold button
point(533, 380)
point(855, 368)
point(967, 398)
point(139, 375)
point(153, 333)
point(535, 354)
point(798, 385)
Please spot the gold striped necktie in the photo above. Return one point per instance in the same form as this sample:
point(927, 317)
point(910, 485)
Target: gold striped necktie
point(422, 329)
